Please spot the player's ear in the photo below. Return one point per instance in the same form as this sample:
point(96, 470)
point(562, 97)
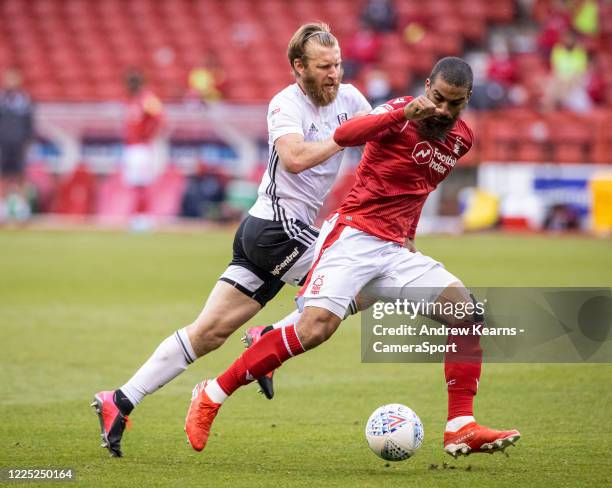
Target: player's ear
point(298, 66)
point(467, 100)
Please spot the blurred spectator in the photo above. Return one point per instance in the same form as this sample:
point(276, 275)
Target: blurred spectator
point(206, 81)
point(494, 77)
point(204, 194)
point(380, 15)
point(562, 217)
point(501, 67)
point(377, 87)
point(16, 132)
point(569, 64)
point(586, 18)
point(361, 49)
point(244, 34)
point(558, 21)
point(595, 80)
point(143, 122)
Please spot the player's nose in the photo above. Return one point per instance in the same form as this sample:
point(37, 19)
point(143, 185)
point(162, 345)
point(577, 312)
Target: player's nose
point(444, 108)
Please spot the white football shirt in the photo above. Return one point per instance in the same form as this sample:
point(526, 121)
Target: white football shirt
point(283, 196)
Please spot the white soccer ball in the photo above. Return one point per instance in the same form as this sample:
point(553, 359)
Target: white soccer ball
point(394, 432)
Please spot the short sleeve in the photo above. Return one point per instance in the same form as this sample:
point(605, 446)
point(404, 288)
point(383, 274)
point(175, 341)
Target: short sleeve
point(284, 117)
point(361, 104)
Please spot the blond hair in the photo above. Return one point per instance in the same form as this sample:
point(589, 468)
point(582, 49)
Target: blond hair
point(318, 32)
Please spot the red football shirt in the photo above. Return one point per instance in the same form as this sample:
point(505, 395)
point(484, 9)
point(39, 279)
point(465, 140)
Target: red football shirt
point(144, 118)
point(398, 170)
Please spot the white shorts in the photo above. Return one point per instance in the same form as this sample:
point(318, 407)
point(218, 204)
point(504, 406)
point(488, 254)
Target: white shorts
point(139, 167)
point(357, 262)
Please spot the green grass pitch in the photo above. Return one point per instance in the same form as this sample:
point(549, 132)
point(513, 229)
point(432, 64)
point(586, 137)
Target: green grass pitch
point(79, 312)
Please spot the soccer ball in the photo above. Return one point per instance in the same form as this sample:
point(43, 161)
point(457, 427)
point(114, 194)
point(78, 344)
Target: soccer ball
point(394, 432)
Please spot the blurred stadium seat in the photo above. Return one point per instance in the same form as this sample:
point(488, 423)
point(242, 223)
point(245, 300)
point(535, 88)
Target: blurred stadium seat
point(73, 51)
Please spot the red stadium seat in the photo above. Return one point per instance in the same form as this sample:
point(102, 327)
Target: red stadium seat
point(76, 195)
point(97, 40)
point(166, 192)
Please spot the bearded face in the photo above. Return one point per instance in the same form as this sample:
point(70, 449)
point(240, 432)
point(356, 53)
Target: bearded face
point(320, 75)
point(450, 100)
point(435, 127)
point(322, 92)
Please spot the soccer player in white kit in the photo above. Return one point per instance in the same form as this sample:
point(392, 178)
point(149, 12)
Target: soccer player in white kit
point(274, 244)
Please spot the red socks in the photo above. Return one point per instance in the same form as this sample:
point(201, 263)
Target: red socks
point(274, 348)
point(462, 371)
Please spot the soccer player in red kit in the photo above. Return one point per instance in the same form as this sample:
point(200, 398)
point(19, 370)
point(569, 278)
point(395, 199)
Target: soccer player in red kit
point(144, 118)
point(412, 144)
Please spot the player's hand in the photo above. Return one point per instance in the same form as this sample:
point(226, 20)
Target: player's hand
point(409, 244)
point(421, 108)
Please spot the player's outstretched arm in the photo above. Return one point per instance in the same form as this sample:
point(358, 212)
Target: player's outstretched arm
point(297, 155)
point(360, 130)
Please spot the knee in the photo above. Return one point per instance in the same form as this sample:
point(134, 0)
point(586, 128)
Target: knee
point(467, 310)
point(206, 336)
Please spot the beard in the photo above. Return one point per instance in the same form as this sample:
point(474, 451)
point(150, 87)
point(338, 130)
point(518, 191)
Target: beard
point(320, 94)
point(435, 127)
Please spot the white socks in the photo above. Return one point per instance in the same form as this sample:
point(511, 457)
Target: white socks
point(290, 319)
point(214, 391)
point(455, 424)
point(168, 361)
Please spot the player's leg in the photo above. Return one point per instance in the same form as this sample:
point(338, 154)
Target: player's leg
point(297, 274)
point(13, 186)
point(316, 325)
point(420, 278)
point(254, 335)
point(462, 369)
point(238, 295)
point(225, 311)
point(349, 262)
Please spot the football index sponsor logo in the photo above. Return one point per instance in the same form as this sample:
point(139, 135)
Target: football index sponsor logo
point(422, 153)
